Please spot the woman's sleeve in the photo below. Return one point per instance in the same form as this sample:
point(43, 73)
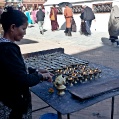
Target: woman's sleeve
point(16, 68)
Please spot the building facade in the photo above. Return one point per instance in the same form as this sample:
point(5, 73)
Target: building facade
point(26, 3)
point(2, 2)
point(33, 3)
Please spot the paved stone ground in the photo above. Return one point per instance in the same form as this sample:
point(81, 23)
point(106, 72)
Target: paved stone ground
point(95, 48)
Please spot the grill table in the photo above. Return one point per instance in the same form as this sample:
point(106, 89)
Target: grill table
point(68, 103)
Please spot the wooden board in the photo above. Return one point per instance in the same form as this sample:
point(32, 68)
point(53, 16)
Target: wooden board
point(93, 90)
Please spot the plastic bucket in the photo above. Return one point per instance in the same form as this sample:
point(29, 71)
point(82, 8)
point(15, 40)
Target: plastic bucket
point(49, 116)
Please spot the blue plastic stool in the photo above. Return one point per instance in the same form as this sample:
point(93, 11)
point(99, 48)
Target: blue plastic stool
point(49, 116)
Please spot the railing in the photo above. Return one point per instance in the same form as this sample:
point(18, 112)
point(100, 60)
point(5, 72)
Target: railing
point(102, 8)
point(97, 8)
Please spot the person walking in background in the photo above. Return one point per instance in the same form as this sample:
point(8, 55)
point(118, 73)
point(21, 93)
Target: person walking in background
point(68, 14)
point(87, 15)
point(33, 14)
point(53, 18)
point(27, 13)
point(113, 24)
point(16, 96)
point(40, 15)
point(43, 8)
point(83, 24)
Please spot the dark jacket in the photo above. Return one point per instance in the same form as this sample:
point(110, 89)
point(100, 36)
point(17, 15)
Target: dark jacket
point(40, 15)
point(15, 81)
point(87, 14)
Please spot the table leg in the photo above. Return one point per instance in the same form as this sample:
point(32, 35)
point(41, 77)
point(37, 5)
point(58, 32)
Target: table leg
point(40, 108)
point(68, 116)
point(59, 115)
point(112, 108)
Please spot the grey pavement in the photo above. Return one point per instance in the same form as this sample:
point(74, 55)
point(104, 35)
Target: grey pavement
point(95, 48)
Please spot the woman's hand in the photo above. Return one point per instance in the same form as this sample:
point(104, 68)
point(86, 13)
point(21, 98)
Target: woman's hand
point(47, 77)
point(44, 71)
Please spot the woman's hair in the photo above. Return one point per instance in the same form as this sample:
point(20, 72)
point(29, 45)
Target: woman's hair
point(11, 16)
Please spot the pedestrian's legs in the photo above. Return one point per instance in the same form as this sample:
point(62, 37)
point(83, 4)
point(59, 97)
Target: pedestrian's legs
point(69, 32)
point(88, 25)
point(40, 26)
point(53, 25)
point(113, 39)
point(66, 31)
point(42, 22)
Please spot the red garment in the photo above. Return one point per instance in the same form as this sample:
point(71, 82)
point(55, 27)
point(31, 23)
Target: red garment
point(54, 23)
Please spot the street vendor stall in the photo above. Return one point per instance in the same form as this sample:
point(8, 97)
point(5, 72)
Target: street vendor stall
point(77, 84)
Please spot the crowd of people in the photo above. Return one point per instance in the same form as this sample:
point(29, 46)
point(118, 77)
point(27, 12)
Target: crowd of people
point(37, 15)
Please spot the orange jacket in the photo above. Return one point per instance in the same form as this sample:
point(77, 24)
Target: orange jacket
point(68, 12)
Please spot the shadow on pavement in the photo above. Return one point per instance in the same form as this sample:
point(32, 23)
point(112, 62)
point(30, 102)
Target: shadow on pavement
point(63, 27)
point(25, 41)
point(44, 30)
point(106, 55)
point(106, 41)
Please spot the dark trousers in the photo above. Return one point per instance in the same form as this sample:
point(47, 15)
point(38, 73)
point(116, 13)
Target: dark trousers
point(88, 26)
point(68, 31)
point(18, 106)
point(113, 39)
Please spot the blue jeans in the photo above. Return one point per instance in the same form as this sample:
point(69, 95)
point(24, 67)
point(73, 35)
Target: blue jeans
point(88, 25)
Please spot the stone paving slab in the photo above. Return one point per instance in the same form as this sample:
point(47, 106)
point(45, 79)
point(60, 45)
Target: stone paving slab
point(95, 48)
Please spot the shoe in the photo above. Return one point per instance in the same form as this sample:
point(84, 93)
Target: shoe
point(66, 34)
point(69, 34)
point(112, 43)
point(117, 46)
point(42, 32)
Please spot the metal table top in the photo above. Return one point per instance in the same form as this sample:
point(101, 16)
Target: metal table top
point(68, 103)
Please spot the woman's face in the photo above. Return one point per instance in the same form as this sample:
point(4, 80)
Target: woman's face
point(19, 32)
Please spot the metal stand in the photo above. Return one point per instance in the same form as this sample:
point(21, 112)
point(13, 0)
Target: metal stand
point(40, 108)
point(68, 116)
point(59, 115)
point(112, 108)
